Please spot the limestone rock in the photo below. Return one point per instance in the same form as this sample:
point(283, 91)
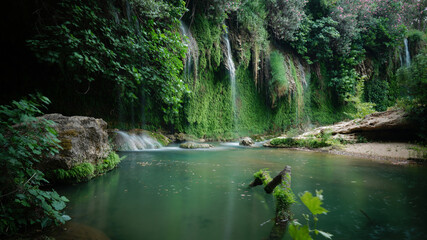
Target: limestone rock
point(378, 126)
point(246, 141)
point(83, 140)
point(193, 145)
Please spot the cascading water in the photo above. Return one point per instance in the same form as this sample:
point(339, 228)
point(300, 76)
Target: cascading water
point(134, 142)
point(407, 54)
point(232, 72)
point(192, 53)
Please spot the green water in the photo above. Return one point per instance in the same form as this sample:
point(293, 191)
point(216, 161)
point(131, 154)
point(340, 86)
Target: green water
point(203, 194)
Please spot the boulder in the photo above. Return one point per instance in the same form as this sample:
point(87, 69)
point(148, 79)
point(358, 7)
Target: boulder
point(246, 141)
point(83, 140)
point(388, 125)
point(193, 145)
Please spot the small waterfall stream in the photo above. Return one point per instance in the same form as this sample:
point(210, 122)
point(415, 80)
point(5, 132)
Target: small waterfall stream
point(232, 72)
point(134, 142)
point(192, 52)
point(407, 54)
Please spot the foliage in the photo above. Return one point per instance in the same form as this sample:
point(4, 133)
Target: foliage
point(85, 171)
point(279, 84)
point(78, 173)
point(252, 17)
point(361, 108)
point(284, 17)
point(300, 142)
point(140, 53)
point(313, 203)
point(25, 140)
point(414, 79)
point(282, 193)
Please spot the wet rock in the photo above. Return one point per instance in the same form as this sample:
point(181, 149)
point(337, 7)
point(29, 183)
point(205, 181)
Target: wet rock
point(246, 141)
point(193, 145)
point(83, 140)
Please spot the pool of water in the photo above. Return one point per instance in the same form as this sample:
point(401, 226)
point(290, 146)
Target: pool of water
point(204, 194)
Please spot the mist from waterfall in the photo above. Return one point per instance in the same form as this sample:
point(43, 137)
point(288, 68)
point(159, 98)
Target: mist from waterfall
point(134, 142)
point(192, 53)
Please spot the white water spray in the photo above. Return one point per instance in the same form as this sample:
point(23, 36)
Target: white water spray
point(134, 142)
point(407, 54)
point(232, 72)
point(192, 54)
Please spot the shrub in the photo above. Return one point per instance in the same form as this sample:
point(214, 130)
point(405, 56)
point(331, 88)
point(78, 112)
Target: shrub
point(300, 142)
point(24, 141)
point(285, 17)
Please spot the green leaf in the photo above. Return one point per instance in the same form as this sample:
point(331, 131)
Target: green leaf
point(324, 234)
point(299, 233)
point(313, 203)
point(58, 205)
point(45, 222)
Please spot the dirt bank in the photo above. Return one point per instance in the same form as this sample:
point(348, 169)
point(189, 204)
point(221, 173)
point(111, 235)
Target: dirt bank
point(395, 153)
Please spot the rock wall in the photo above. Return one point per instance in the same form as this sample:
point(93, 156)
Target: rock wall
point(83, 140)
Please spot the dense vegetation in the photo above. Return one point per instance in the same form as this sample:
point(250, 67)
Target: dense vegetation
point(298, 62)
point(25, 140)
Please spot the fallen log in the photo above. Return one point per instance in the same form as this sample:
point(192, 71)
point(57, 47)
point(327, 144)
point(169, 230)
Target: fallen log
point(280, 186)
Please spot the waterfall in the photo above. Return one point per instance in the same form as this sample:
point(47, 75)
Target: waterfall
point(232, 72)
point(407, 55)
point(192, 53)
point(133, 142)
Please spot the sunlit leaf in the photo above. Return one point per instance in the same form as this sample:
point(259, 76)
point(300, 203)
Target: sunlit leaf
point(313, 203)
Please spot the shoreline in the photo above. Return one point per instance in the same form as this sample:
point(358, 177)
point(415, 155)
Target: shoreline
point(389, 153)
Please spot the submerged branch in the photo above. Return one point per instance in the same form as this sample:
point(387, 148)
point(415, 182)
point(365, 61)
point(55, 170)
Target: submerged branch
point(280, 186)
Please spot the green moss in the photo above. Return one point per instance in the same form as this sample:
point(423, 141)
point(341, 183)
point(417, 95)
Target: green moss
point(160, 138)
point(279, 84)
point(85, 171)
point(65, 143)
point(319, 105)
point(78, 173)
point(108, 164)
point(282, 193)
point(300, 143)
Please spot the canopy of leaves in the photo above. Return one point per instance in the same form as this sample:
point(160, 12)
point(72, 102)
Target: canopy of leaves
point(137, 49)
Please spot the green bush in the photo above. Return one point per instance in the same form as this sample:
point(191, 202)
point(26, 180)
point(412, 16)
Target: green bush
point(24, 141)
point(361, 108)
point(300, 143)
point(414, 80)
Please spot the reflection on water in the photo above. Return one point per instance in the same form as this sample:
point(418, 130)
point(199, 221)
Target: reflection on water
point(176, 194)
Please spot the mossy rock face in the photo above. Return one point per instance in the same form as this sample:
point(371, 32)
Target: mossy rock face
point(193, 145)
point(83, 140)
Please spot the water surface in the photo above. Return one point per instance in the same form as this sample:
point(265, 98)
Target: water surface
point(203, 194)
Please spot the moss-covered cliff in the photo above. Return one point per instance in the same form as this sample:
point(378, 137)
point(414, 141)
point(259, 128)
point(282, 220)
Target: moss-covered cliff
point(296, 63)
